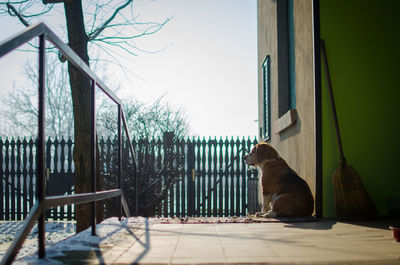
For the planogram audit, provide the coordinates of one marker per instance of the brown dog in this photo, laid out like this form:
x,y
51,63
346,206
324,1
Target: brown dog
x,y
285,193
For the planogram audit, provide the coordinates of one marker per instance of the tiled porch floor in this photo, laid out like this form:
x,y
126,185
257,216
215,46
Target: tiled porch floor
x,y
322,242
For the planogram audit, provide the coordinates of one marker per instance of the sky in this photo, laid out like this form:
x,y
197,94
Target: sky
x,y
203,61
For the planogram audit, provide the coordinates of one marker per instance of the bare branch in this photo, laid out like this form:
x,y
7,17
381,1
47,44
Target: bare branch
x,y
44,11
52,1
148,31
20,104
22,9
114,60
147,120
94,17
16,14
118,44
14,2
96,33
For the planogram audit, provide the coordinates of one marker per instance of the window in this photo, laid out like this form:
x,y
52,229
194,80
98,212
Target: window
x,y
286,57
266,130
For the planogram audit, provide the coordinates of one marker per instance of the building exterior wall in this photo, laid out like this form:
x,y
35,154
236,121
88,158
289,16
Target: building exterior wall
x,y
296,143
362,40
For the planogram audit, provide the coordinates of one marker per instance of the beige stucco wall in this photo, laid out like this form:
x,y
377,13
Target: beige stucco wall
x,y
295,144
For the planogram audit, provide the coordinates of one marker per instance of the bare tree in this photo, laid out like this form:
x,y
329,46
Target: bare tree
x,y
21,108
107,24
150,121
161,164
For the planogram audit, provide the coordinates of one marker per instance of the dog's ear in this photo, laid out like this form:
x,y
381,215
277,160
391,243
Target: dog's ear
x,y
265,151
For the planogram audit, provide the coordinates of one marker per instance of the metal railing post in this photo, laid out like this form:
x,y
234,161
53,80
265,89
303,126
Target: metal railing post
x,y
128,138
40,177
119,159
93,154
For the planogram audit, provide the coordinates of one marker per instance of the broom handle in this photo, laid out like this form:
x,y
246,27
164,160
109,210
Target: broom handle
x,y
328,77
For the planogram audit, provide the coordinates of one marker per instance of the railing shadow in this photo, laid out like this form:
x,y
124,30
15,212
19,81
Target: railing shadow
x,y
145,244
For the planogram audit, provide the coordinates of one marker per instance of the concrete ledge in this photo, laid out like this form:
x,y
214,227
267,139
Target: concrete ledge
x,y
285,121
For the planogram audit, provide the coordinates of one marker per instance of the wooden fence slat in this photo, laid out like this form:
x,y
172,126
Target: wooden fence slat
x,y
31,173
12,186
220,178
209,180
48,156
70,208
62,170
182,186
173,191
171,201
1,181
7,181
189,176
178,188
18,184
62,155
181,161
197,162
226,174
238,177
213,160
56,210
243,176
25,209
203,173
231,182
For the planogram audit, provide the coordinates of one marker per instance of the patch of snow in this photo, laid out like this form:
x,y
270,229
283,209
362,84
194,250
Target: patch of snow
x,y
56,231
62,238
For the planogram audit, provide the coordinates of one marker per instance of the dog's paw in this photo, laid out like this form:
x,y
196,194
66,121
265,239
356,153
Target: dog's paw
x,y
262,214
268,214
271,214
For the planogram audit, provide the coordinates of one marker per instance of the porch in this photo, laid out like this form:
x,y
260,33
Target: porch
x,y
152,241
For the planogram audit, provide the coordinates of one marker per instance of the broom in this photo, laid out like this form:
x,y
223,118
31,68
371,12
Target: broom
x,y
352,201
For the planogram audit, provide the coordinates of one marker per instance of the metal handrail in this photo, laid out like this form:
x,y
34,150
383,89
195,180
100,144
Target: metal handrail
x,y
37,212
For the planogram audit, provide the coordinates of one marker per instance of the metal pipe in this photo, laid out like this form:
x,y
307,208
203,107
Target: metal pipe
x,y
54,201
93,155
134,163
22,234
40,177
119,160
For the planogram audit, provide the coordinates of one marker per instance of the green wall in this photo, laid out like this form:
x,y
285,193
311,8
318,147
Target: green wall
x,y
362,39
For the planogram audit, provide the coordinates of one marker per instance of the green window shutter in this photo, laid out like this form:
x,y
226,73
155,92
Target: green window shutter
x,y
266,133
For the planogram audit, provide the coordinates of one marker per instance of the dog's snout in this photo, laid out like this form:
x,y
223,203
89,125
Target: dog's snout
x,y
245,157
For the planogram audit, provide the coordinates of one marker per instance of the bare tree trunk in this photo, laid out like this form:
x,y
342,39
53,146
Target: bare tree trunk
x,y
81,97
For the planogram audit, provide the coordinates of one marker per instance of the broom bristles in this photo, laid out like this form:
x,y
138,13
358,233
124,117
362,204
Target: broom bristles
x,y
352,201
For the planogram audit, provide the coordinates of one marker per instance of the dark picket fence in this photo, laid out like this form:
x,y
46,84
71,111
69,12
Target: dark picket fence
x,y
214,180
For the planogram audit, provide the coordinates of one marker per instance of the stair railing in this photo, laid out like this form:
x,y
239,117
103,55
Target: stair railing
x,y
43,203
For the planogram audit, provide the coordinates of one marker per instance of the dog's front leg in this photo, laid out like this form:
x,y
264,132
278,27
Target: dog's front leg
x,y
266,202
266,206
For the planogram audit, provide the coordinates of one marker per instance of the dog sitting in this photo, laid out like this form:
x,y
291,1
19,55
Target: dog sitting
x,y
285,194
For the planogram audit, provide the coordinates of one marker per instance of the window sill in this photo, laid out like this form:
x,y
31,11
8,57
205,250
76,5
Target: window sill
x,y
286,121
